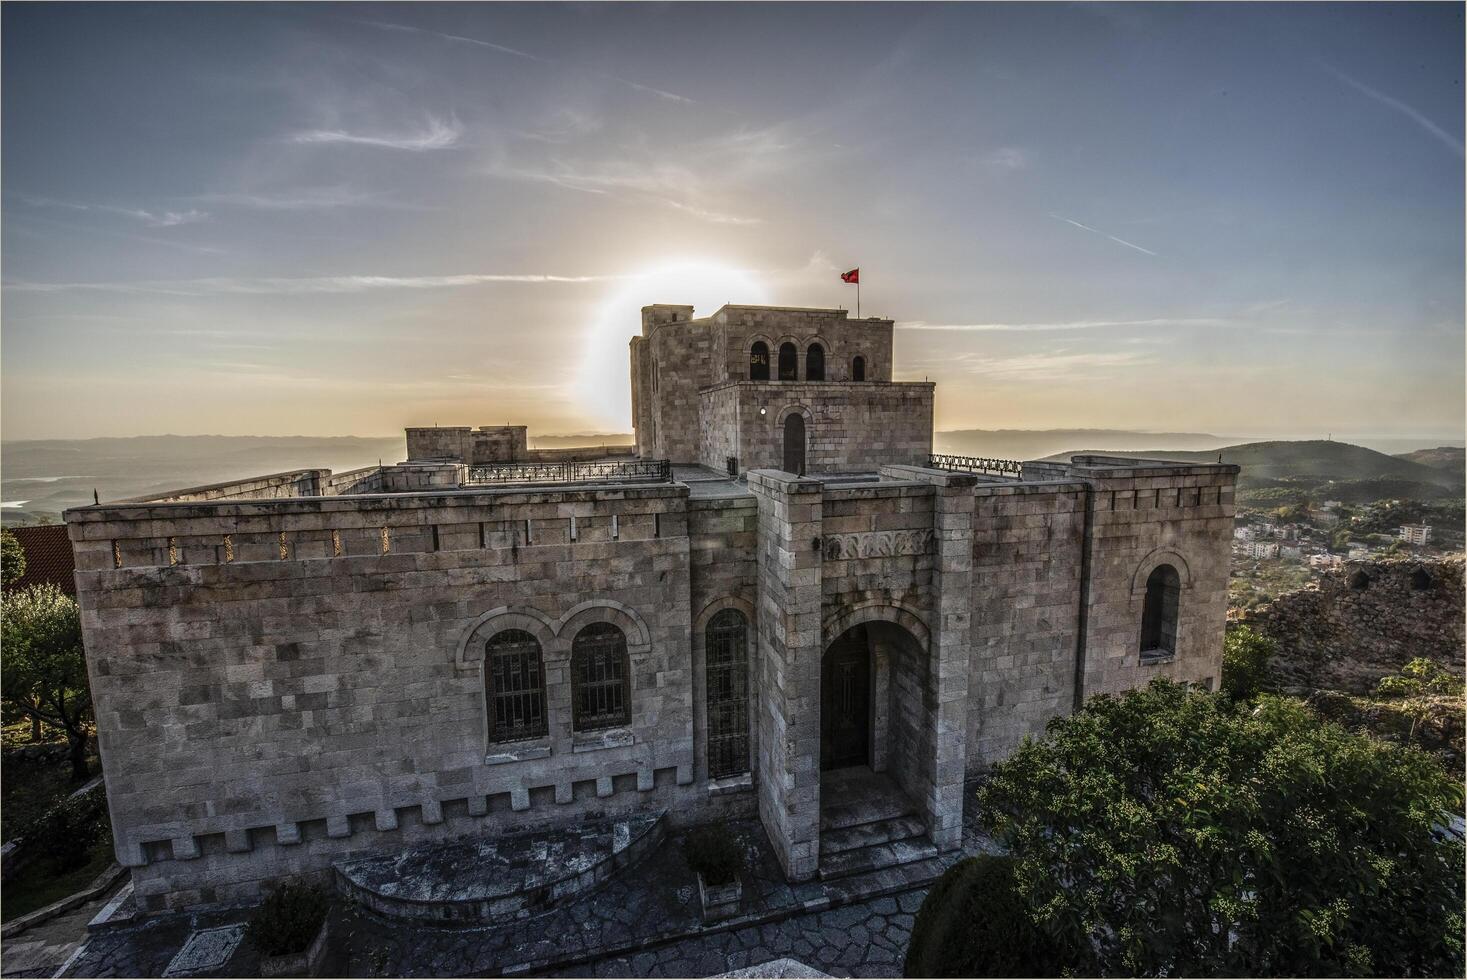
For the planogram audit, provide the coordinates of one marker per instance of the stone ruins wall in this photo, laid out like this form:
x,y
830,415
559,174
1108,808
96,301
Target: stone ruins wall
x,y
847,427
280,684
1365,620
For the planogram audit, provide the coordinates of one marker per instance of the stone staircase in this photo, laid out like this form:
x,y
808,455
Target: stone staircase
x,y
873,829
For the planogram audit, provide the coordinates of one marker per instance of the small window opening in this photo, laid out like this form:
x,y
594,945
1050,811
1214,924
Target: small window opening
x,y
615,527
858,368
789,362
573,528
815,363
1359,581
1420,580
759,361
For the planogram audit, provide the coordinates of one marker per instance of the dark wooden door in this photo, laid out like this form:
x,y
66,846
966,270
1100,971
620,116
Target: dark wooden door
x,y
845,703
794,444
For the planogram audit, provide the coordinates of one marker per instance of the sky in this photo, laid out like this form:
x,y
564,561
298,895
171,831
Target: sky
x,y
336,219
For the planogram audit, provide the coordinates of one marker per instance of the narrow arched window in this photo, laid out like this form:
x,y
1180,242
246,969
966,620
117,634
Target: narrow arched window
x,y
759,361
1159,615
726,642
600,678
858,368
514,686
815,363
789,362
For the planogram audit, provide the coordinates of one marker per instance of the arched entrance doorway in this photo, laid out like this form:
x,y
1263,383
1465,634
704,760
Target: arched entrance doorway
x,y
794,444
845,701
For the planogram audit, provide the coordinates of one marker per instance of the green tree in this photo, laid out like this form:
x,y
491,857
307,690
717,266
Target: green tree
x,y
1174,832
12,558
1341,539
1246,653
43,671
1415,684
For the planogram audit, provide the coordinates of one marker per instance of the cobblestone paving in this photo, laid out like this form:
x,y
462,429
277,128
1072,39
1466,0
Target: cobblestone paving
x,y
867,939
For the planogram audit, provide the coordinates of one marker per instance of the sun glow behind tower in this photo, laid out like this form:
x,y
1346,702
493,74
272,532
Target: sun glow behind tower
x,y
603,388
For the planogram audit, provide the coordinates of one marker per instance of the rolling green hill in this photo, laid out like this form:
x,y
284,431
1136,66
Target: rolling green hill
x,y
1452,458
1311,463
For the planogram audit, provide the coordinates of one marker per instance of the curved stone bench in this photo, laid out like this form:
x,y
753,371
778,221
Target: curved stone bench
x,y
484,879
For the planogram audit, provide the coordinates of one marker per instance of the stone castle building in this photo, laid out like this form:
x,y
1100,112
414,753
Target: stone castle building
x,y
778,603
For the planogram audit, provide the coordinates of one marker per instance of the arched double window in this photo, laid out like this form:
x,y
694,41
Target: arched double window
x,y
601,695
858,368
815,363
726,645
1159,614
759,361
514,686
789,362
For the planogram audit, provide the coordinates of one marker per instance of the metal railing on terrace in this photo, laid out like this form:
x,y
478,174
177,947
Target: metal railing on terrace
x,y
977,464
594,471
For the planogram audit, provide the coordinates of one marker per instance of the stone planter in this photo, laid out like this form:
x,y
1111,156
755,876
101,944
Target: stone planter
x,y
303,964
720,901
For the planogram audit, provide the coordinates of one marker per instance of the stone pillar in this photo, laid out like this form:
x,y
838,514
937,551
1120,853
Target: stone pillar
x,y
947,679
946,698
789,567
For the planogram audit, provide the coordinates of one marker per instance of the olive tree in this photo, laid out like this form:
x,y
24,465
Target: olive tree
x,y
43,671
1176,832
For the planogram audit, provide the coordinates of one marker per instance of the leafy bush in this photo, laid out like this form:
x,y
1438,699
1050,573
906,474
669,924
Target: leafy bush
x,y
1179,833
63,837
973,923
289,919
1246,653
12,558
714,853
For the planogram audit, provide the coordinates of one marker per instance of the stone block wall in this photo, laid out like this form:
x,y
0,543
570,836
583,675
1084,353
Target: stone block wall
x,y
839,335
1027,553
465,444
280,684
1366,620
847,427
1143,516
295,483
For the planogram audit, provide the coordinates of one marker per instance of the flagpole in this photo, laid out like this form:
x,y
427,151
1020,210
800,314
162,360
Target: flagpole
x,y
858,296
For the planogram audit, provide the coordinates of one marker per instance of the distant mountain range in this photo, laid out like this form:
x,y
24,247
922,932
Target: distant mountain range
x,y
1442,457
1038,443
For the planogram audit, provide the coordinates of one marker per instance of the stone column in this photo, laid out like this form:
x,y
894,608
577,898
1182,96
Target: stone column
x,y
789,557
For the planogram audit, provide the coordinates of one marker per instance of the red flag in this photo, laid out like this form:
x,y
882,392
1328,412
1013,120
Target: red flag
x,y
854,276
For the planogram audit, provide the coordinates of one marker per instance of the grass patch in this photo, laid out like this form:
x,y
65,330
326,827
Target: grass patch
x,y
28,791
37,886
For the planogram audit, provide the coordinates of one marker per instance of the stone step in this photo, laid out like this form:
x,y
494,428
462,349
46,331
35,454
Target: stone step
x,y
877,856
841,816
870,834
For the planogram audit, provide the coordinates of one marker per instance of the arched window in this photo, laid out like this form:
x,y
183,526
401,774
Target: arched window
x,y
794,444
514,686
858,368
759,361
815,363
726,642
600,678
1159,615
789,362
1359,581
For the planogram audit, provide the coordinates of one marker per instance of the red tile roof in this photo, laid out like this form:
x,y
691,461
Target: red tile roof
x,y
48,557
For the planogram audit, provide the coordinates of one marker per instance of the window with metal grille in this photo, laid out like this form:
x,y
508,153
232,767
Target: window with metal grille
x,y
727,648
600,678
515,686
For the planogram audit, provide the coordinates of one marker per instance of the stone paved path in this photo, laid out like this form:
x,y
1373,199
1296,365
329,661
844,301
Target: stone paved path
x,y
40,951
867,939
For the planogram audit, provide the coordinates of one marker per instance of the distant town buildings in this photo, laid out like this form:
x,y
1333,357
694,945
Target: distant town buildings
x,y
1263,549
1326,561
1415,534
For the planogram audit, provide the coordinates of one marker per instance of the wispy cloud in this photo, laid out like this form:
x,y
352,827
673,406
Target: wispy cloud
x,y
1061,365
457,39
303,199
664,184
154,219
439,134
1067,325
301,286
517,53
1410,112
1097,231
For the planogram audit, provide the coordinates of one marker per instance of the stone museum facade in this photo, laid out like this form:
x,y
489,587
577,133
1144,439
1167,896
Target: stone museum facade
x,y
779,603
